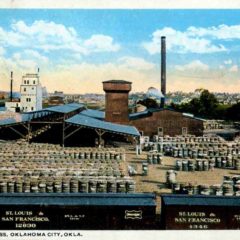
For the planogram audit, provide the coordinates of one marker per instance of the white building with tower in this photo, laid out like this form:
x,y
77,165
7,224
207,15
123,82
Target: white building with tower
x,y
31,93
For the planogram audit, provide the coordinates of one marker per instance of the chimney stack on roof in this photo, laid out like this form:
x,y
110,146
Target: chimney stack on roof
x,y
11,87
163,69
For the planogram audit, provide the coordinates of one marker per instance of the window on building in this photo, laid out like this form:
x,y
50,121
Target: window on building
x,y
33,81
24,81
24,89
32,108
29,99
27,81
160,131
184,131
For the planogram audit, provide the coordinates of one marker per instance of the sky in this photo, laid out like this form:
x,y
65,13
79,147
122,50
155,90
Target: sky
x,y
78,49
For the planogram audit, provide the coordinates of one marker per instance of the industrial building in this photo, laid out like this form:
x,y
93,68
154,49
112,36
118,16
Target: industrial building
x,y
157,121
31,94
166,122
75,124
47,179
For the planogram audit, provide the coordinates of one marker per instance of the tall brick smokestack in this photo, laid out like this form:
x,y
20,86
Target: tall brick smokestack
x,y
11,87
163,69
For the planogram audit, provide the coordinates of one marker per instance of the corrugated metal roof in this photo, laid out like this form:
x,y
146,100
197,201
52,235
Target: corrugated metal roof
x,y
8,121
200,119
75,104
98,199
93,113
24,117
67,108
98,124
137,115
148,112
192,116
19,119
200,200
188,115
37,114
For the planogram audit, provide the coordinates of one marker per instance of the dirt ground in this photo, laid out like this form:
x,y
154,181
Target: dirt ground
x,y
154,182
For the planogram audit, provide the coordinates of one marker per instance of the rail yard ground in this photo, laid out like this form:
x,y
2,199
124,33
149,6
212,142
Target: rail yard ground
x,y
156,178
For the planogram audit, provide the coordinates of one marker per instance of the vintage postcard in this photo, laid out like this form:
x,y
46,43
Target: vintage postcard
x,y
119,117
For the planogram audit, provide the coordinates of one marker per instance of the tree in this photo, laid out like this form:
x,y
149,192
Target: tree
x,y
204,106
233,112
208,104
149,103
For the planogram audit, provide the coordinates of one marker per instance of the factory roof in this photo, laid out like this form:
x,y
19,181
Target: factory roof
x,y
28,116
23,118
67,108
117,81
98,199
137,115
93,113
147,112
36,114
94,123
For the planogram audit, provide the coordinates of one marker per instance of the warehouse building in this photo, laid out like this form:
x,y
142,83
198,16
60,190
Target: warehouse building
x,y
74,124
157,121
71,124
166,122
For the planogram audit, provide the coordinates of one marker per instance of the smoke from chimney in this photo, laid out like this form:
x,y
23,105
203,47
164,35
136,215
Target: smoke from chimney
x,y
11,87
163,69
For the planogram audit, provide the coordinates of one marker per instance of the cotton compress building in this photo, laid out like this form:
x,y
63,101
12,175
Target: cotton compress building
x,y
160,121
166,122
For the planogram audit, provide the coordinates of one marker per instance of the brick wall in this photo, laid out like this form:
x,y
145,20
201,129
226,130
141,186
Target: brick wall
x,y
172,123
